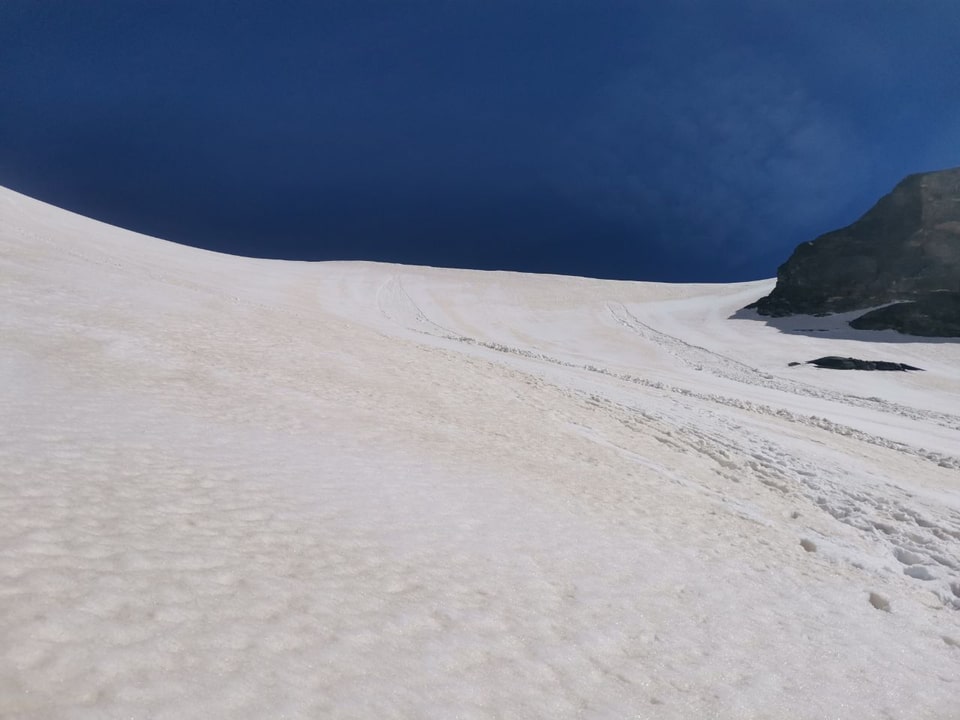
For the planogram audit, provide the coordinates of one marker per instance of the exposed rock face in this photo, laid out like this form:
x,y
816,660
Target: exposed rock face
x,y
905,248
931,315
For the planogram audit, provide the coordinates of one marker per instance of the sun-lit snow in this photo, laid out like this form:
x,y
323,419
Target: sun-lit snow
x,y
241,488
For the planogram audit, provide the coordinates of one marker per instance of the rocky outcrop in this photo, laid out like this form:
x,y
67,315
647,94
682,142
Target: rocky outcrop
x,y
906,248
834,362
931,315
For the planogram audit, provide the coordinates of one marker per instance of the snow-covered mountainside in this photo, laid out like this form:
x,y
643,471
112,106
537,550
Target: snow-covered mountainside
x,y
235,488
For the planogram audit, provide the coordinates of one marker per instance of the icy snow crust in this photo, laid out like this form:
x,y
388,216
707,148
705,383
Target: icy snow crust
x,y
241,488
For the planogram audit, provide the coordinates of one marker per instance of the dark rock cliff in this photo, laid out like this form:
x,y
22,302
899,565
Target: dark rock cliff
x,y
905,248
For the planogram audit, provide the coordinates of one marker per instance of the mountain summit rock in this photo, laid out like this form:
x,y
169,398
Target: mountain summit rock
x,y
904,250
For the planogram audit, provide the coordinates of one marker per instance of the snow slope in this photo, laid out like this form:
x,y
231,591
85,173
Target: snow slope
x,y
243,488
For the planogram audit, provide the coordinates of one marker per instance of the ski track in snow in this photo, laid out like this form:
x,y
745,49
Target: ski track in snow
x,y
243,488
928,548
721,366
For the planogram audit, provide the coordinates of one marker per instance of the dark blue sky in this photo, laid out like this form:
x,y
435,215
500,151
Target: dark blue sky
x,y
689,140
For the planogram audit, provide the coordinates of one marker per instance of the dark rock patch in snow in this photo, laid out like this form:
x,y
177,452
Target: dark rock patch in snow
x,y
935,314
834,362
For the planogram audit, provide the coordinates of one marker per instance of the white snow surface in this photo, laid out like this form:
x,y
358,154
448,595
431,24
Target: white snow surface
x,y
238,488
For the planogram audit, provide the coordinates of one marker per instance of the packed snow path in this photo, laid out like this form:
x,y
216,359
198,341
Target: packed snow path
x,y
247,488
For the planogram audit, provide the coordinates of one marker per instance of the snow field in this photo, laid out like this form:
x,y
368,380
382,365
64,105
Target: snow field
x,y
241,488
